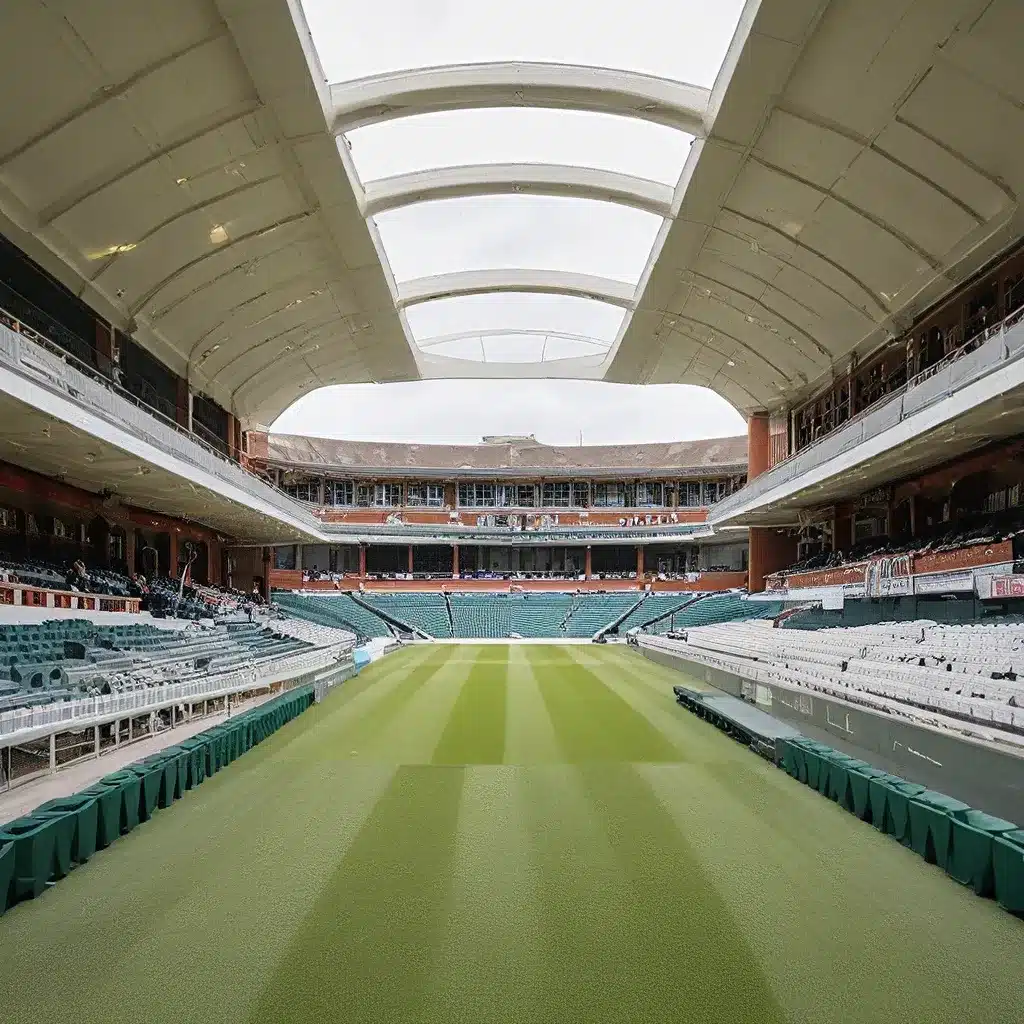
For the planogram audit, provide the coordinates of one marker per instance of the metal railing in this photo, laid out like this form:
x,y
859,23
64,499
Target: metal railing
x,y
79,714
35,357
1000,344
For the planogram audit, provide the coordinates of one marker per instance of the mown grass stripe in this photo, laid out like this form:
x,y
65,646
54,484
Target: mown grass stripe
x,y
365,951
592,722
529,735
475,733
351,725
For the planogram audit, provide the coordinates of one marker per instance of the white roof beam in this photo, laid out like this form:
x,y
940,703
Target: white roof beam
x,y
367,101
487,282
558,180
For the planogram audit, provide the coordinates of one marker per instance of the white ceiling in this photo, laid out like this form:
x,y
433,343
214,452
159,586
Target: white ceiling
x,y
860,158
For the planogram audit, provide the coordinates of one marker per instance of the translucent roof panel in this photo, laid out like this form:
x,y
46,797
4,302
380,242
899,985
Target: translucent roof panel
x,y
685,40
580,236
521,347
525,135
515,312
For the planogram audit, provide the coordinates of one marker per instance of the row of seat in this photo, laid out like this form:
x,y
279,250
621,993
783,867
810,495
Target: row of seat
x,y
975,848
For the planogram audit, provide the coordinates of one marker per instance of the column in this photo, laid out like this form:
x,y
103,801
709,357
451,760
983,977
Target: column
x,y
410,559
758,446
266,574
767,555
362,559
588,569
842,527
172,568
455,561
298,557
770,551
181,403
639,561
129,549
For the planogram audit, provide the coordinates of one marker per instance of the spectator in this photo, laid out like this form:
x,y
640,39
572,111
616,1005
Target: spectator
x,y
77,578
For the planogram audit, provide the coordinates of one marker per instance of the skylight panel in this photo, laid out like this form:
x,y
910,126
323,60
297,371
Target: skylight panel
x,y
519,135
516,311
580,236
685,40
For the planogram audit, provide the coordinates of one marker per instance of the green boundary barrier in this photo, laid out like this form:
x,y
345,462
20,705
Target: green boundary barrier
x,y
972,847
42,847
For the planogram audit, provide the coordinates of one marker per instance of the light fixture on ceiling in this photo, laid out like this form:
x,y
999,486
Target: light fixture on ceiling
x,y
90,457
218,234
731,362
181,181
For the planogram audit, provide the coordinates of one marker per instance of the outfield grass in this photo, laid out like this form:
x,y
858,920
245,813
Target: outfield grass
x,y
508,834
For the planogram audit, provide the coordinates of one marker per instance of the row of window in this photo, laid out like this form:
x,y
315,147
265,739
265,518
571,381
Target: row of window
x,y
643,494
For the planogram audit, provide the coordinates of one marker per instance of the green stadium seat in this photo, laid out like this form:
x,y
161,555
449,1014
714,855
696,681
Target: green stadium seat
x,y
130,786
6,876
971,849
1008,870
34,840
109,801
930,815
83,810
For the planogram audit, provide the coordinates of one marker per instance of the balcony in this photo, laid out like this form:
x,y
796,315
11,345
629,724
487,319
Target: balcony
x,y
993,368
35,360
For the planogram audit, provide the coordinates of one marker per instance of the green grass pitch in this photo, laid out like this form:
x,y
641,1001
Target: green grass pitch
x,y
508,834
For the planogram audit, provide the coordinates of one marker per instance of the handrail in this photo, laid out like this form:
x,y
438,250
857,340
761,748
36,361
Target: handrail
x,y
993,351
75,714
32,355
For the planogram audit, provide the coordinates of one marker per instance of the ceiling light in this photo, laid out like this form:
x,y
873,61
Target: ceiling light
x,y
218,234
731,362
180,181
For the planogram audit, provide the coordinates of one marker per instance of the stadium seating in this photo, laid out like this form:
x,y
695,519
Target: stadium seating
x,y
68,659
338,610
592,612
428,612
487,616
966,672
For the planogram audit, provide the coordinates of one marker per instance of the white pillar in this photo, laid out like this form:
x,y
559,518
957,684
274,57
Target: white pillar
x,y
53,752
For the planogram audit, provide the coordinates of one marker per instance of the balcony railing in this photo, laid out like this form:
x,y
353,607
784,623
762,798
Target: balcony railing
x,y
34,356
1001,344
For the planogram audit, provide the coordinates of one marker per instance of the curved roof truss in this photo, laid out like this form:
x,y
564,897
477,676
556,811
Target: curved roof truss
x,y
559,180
367,101
488,282
517,332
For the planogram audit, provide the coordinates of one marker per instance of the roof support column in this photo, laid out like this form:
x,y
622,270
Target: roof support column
x,y
588,567
455,561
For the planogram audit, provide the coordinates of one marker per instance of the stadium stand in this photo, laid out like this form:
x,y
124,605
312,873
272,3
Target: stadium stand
x,y
64,659
967,672
427,611
338,610
590,613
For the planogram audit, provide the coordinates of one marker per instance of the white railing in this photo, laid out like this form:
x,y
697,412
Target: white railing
x,y
16,726
1002,344
33,356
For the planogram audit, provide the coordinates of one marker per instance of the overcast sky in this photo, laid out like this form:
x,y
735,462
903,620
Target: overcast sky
x,y
680,39
556,411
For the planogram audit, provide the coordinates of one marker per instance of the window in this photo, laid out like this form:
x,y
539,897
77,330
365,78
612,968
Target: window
x,y
429,495
339,492
379,495
609,495
580,495
689,494
476,495
305,490
711,491
515,496
556,495
649,495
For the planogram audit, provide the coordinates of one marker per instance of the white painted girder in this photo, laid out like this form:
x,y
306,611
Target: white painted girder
x,y
485,282
396,94
513,179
